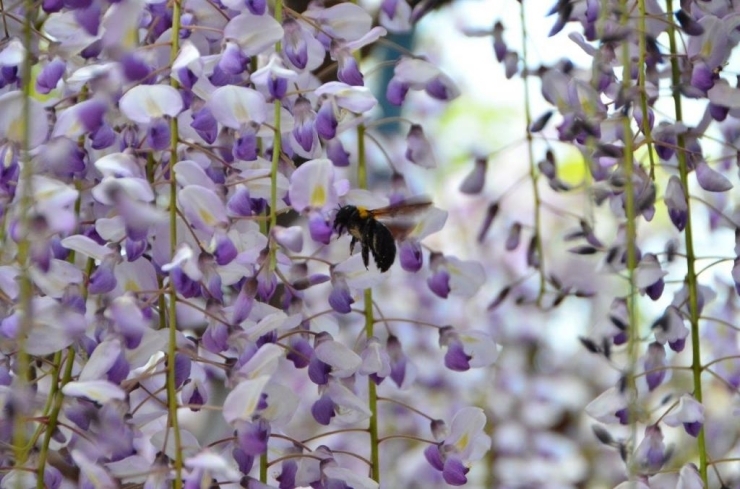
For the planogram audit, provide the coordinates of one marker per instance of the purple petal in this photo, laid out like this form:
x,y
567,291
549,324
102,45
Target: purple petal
x,y
320,229
434,457
240,204
348,71
654,365
336,153
50,76
439,283
318,371
294,45
134,68
694,428
656,290
158,135
454,472
456,359
278,87
89,18
225,251
51,6
326,121
410,256
233,61
476,179
711,180
245,146
120,369
702,77
182,368
675,200
323,410
288,475
102,279
419,149
300,352
103,138
253,437
256,7
396,92
216,337
341,300
244,461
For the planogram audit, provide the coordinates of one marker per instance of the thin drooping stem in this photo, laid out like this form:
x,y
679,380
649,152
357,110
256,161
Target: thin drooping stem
x,y
631,245
642,83
691,279
25,284
172,311
369,324
533,173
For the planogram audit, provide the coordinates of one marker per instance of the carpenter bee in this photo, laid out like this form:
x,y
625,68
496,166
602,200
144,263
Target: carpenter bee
x,y
364,225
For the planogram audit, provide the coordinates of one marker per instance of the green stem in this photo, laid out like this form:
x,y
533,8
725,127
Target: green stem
x,y
20,439
642,83
372,397
631,244
691,279
53,420
276,153
533,174
56,398
172,309
276,150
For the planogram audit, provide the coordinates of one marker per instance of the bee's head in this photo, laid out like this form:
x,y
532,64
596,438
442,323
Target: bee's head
x,y
343,216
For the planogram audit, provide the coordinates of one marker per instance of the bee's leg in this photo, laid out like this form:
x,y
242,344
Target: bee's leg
x,y
365,253
352,245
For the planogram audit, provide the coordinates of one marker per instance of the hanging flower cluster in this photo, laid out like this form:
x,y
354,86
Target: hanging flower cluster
x,y
649,249
177,307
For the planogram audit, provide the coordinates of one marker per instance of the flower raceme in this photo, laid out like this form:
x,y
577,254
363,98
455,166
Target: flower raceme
x,y
161,166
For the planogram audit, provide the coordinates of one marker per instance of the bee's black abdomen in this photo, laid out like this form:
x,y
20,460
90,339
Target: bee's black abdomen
x,y
382,245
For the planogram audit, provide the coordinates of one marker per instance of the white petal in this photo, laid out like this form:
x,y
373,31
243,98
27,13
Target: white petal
x,y
118,165
344,362
111,229
350,409
282,403
13,53
350,477
87,246
466,277
100,391
235,106
264,363
102,359
202,206
214,463
243,400
254,33
725,95
94,472
56,281
11,117
266,325
603,407
188,172
344,21
467,423
143,103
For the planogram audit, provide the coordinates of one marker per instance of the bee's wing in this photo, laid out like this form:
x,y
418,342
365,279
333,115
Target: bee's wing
x,y
401,218
408,208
